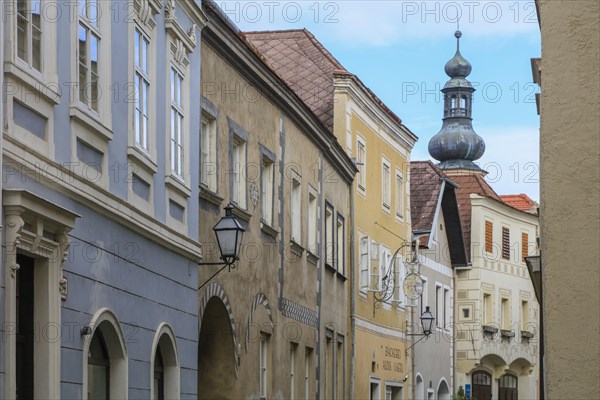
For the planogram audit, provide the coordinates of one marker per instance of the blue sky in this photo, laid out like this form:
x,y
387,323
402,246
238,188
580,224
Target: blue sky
x,y
399,48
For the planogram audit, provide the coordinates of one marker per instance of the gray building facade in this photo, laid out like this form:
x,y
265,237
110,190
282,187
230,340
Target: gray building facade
x,y
100,199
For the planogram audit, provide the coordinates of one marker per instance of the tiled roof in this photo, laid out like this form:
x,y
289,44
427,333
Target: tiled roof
x,y
308,68
520,202
470,183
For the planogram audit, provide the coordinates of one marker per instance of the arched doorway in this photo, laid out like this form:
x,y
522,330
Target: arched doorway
x,y
482,385
419,388
443,392
508,387
164,365
216,353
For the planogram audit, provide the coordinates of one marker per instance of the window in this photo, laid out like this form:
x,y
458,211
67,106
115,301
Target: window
x,y
159,376
341,246
399,194
88,53
361,160
307,363
339,366
25,323
505,243
439,308
393,393
424,298
447,308
98,368
400,273
489,237
29,32
384,265
176,123
330,375
505,313
238,193
524,315
329,239
312,222
375,251
142,88
487,309
385,185
263,365
524,246
293,348
208,153
296,210
267,187
364,263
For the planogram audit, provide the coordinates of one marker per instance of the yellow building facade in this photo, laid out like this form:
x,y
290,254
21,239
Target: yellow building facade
x,y
381,146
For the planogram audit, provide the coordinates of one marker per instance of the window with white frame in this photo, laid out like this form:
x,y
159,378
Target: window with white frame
x,y
487,309
329,237
374,250
263,366
341,246
238,182
296,210
439,306
364,260
447,308
312,222
177,115
29,32
400,273
393,392
307,363
505,313
361,160
424,295
141,48
267,187
384,265
385,184
208,153
89,37
399,194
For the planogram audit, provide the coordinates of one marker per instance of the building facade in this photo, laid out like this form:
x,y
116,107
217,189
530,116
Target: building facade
x,y
275,326
495,312
569,186
437,228
380,145
100,199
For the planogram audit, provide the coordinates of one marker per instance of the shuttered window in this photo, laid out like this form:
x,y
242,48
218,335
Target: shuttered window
x,y
505,243
524,246
489,227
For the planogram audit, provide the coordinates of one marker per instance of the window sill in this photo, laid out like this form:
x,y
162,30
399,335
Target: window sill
x,y
330,268
312,258
296,248
210,196
268,229
33,78
341,277
175,183
142,159
241,213
93,122
386,208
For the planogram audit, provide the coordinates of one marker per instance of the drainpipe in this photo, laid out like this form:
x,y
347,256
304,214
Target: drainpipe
x,y
352,294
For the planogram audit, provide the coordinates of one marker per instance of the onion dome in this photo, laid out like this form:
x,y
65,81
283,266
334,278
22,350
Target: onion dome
x,y
458,66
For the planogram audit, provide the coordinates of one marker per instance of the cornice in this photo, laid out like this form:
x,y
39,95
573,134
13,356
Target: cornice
x,y
229,46
504,209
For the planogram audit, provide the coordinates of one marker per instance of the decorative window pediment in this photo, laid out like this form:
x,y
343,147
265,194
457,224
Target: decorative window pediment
x,y
182,42
146,10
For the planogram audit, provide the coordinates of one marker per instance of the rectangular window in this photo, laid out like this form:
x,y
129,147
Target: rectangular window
x,y
385,185
439,306
142,88
424,296
487,309
293,348
399,194
341,246
312,223
296,210
393,393
489,237
524,315
329,238
524,246
263,371
400,273
29,32
447,308
376,254
89,38
364,263
361,160
339,366
307,371
176,123
330,376
238,185
208,153
505,314
505,243
267,187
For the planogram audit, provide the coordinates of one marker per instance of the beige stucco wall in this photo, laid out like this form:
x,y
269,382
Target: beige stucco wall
x,y
570,188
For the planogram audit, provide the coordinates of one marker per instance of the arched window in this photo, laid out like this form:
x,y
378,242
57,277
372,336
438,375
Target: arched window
x,y
482,385
159,377
453,102
98,369
508,387
165,365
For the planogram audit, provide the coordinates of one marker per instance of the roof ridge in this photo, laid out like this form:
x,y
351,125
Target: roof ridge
x,y
274,31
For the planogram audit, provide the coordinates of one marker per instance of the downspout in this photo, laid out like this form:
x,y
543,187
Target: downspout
x,y
352,295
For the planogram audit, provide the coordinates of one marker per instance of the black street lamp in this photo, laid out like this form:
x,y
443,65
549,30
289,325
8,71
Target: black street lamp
x,y
229,233
426,323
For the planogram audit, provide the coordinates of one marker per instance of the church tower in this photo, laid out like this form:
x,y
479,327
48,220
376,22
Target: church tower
x,y
457,145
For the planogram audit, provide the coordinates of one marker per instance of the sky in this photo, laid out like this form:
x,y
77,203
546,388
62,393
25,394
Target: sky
x,y
399,49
